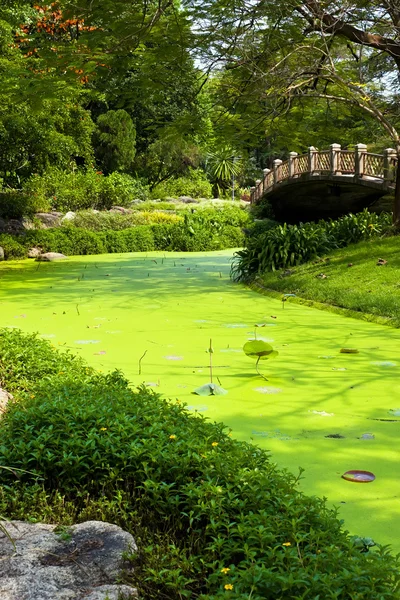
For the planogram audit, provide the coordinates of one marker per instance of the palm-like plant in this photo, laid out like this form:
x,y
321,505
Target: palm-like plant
x,y
224,165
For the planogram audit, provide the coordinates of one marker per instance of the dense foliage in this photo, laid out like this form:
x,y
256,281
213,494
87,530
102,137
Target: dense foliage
x,y
230,520
285,245
178,237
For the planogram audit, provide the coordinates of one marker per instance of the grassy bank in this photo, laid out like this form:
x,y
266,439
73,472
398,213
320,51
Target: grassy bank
x,y
212,516
350,278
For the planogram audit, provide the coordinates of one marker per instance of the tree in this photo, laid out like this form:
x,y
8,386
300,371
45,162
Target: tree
x,y
114,141
278,54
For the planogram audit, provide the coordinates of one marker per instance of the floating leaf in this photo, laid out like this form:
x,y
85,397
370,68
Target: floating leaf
x,y
395,412
349,351
259,349
210,389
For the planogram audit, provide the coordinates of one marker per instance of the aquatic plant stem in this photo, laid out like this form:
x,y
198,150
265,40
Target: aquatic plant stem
x,y
210,351
260,374
140,361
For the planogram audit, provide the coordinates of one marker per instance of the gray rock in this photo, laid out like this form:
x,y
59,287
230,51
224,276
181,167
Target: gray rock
x,y
50,256
34,252
4,398
3,224
27,223
1,253
83,564
69,216
112,592
48,220
14,225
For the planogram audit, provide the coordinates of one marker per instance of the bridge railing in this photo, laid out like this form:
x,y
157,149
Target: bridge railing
x,y
356,165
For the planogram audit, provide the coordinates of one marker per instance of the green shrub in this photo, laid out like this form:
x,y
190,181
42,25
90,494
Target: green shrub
x,y
82,190
120,189
106,221
67,240
285,245
194,185
214,218
15,204
217,512
12,248
138,239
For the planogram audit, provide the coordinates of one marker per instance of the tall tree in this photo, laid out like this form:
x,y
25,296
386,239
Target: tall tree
x,y
284,52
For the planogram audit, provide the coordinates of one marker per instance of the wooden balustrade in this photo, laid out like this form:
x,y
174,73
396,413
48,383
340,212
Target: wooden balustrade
x,y
355,166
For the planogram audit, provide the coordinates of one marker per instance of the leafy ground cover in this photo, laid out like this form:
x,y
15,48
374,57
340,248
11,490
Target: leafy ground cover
x,y
353,278
214,515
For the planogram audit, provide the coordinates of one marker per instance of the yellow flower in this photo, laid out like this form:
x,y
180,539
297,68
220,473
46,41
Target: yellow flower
x,y
214,444
286,544
32,395
225,570
172,437
228,586
103,428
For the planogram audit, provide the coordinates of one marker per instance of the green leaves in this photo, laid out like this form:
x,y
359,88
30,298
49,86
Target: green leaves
x,y
259,349
285,245
210,389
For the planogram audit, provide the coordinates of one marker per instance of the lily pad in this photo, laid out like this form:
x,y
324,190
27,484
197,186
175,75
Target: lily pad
x,y
259,349
210,389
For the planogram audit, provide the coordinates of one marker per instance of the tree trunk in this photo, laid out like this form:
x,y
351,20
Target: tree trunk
x,y
396,202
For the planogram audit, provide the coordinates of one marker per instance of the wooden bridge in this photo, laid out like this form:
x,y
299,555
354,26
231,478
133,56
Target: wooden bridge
x,y
328,183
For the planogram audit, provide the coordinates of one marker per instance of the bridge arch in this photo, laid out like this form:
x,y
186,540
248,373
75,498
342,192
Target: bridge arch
x,y
327,183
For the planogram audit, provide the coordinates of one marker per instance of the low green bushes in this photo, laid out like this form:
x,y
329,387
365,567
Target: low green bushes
x,y
15,204
106,221
64,191
285,245
211,515
71,240
194,230
194,185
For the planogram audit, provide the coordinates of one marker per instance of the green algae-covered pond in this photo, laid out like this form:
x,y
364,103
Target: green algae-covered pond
x,y
322,410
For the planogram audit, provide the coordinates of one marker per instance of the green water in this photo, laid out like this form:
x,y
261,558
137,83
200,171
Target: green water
x,y
112,309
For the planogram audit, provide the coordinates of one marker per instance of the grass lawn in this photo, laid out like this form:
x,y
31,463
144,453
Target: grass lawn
x,y
363,287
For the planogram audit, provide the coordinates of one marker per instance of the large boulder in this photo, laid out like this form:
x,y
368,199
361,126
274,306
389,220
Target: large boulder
x,y
34,252
81,562
51,257
1,253
69,216
48,220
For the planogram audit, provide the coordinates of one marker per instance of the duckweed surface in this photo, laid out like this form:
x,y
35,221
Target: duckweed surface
x,y
155,314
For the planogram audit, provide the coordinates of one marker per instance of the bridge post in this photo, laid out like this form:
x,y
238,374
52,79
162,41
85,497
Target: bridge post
x,y
360,152
277,170
265,173
312,163
291,163
335,158
258,189
252,194
389,172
